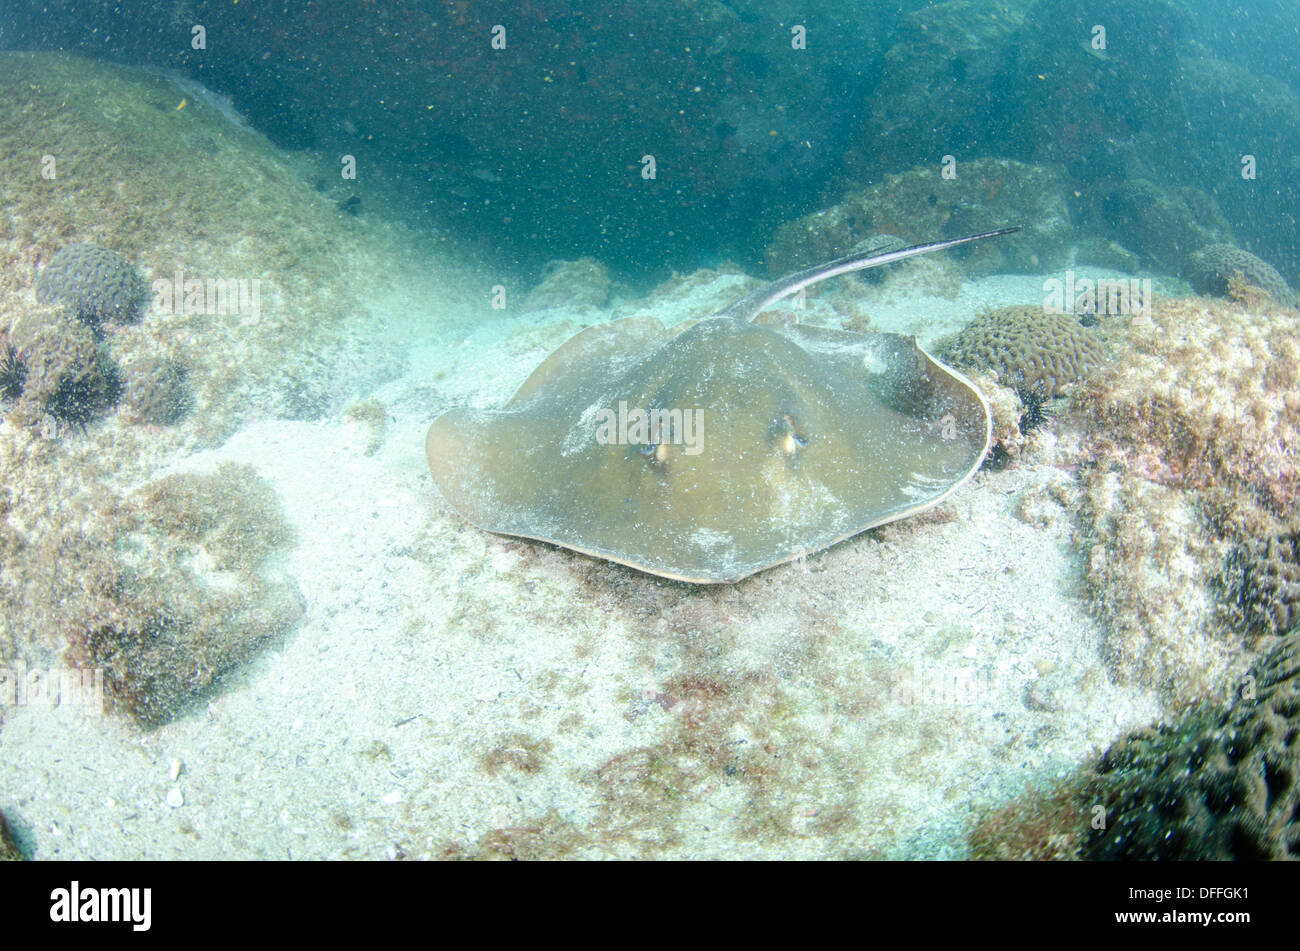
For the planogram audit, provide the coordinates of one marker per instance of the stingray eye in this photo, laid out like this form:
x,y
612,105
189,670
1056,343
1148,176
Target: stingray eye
x,y
786,436
656,453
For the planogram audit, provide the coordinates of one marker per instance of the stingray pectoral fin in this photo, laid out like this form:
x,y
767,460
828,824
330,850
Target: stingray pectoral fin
x,y
589,351
468,450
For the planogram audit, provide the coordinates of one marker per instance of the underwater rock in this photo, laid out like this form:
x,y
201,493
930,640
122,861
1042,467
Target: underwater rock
x,y
1164,223
176,211
570,284
1097,103
946,64
195,595
1226,271
1035,353
1102,252
58,368
921,203
96,284
1228,104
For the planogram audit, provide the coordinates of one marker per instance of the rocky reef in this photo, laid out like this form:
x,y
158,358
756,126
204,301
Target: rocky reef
x,y
1193,438
922,204
114,364
1216,783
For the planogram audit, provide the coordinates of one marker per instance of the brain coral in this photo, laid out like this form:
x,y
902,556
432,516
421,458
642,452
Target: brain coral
x,y
1263,581
1220,783
97,284
1222,270
1035,353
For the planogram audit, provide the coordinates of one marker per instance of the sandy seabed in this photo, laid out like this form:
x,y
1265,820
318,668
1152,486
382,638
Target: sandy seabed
x,y
453,693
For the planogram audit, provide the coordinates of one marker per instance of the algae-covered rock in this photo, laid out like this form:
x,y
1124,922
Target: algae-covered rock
x,y
181,195
197,592
947,64
1193,436
1226,271
922,205
1165,224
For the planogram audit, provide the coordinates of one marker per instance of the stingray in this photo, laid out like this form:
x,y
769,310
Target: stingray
x,y
721,447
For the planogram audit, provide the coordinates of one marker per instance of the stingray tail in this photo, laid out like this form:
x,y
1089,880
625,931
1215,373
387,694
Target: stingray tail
x,y
748,307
